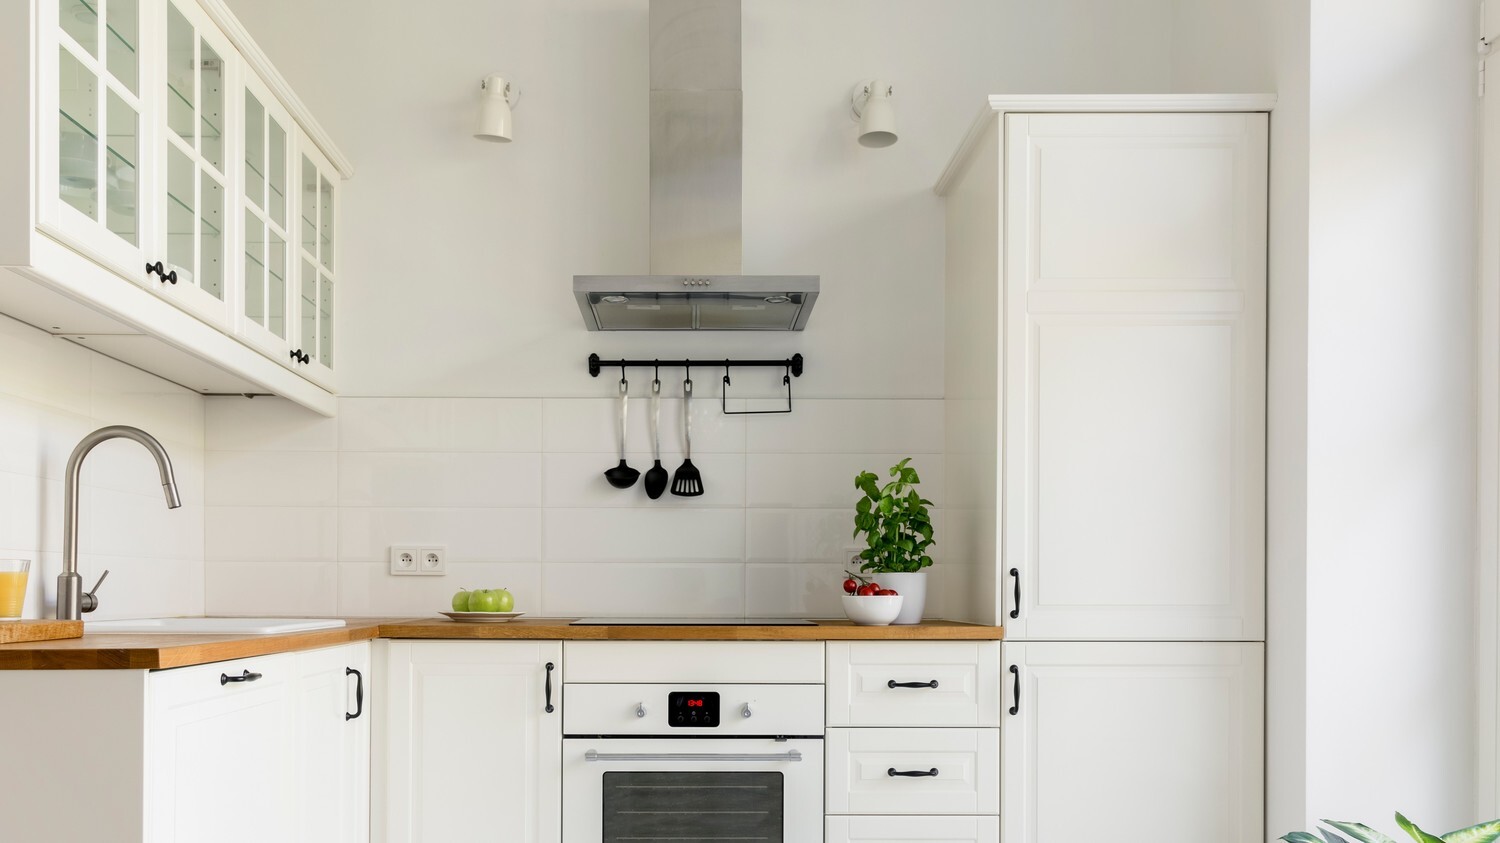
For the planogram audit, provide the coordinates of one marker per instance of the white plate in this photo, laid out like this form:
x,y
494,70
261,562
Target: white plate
x,y
482,617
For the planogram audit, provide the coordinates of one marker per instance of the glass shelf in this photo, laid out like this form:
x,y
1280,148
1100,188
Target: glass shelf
x,y
257,261
179,209
214,131
113,153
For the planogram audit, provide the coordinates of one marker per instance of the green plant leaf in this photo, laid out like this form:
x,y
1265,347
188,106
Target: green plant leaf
x,y
1299,837
1330,837
1416,833
863,506
1483,833
1362,833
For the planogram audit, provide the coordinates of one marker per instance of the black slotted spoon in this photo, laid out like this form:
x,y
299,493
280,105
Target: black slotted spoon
x,y
687,482
656,478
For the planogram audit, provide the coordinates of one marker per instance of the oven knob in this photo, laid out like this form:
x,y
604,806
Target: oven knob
x,y
640,709
745,711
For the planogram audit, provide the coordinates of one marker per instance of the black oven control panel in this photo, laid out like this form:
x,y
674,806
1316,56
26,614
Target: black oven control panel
x,y
693,709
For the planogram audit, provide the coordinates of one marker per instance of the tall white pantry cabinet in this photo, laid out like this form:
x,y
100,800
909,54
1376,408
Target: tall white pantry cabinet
x,y
1106,328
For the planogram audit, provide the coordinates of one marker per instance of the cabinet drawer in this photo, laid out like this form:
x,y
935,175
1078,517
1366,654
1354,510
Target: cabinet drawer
x,y
868,683
925,829
183,685
860,762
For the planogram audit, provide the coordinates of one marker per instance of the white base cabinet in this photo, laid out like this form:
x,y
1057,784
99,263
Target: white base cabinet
x,y
903,829
1133,742
190,754
467,746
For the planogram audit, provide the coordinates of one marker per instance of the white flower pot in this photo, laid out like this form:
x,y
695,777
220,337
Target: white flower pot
x,y
913,588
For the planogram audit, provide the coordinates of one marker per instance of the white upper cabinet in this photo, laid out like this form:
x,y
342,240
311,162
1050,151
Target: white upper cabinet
x,y
97,130
1112,265
155,156
189,262
1135,327
267,213
315,267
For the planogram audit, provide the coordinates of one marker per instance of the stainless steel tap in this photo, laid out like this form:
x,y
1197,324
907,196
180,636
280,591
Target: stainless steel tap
x,y
72,601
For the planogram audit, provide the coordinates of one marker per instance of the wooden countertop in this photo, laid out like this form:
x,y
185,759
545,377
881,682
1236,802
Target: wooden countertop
x,y
142,651
145,651
559,628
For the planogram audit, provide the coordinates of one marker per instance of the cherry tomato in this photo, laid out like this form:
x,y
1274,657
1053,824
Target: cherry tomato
x,y
866,590
850,586
874,585
886,592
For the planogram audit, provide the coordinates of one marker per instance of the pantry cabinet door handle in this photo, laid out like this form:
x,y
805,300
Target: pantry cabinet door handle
x,y
912,774
359,693
894,684
550,667
1015,608
1015,707
247,676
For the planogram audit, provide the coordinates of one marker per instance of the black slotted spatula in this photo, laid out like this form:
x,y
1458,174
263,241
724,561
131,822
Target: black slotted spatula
x,y
687,482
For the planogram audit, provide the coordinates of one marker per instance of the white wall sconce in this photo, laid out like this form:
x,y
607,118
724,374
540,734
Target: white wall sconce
x,y
871,106
497,97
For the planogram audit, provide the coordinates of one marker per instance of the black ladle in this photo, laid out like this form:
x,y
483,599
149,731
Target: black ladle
x,y
656,478
622,476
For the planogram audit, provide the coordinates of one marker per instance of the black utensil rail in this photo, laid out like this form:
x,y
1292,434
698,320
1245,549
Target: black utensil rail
x,y
792,366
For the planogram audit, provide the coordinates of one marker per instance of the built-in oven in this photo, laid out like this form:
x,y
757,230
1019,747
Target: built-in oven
x,y
682,762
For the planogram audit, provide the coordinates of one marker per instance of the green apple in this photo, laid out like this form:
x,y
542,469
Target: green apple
x,y
461,601
507,600
484,600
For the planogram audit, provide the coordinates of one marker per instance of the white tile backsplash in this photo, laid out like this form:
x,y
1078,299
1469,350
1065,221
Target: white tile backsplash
x,y
471,534
440,424
272,588
271,534
515,489
368,478
272,478
642,589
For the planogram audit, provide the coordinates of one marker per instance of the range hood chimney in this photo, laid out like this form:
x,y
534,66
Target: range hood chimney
x,y
696,194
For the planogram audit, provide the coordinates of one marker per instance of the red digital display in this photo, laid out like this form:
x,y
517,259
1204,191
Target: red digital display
x,y
691,709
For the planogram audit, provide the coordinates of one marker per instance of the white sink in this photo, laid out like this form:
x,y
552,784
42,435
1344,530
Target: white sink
x,y
214,626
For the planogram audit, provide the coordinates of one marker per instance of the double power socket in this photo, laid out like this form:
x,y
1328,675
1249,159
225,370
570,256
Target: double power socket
x,y
413,561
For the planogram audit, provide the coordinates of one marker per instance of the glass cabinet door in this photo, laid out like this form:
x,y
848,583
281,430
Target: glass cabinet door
x,y
193,114
266,208
90,190
317,205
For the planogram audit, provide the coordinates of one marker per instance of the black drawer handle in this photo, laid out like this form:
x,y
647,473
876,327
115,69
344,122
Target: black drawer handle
x,y
894,684
247,676
359,693
550,667
1016,694
1015,608
911,774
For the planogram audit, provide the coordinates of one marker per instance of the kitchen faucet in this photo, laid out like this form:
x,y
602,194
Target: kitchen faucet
x,y
72,600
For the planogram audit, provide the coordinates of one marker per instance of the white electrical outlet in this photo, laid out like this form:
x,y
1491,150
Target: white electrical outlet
x,y
404,561
433,561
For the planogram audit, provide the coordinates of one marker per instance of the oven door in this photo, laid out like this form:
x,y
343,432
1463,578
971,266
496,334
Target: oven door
x,y
692,789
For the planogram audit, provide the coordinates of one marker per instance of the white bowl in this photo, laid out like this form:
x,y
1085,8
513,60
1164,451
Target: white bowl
x,y
873,610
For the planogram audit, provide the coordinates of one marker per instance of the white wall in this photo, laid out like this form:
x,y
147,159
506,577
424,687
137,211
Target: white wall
x,y
52,393
458,259
1380,563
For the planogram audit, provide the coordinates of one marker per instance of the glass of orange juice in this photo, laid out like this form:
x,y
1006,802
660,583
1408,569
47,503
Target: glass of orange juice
x,y
13,586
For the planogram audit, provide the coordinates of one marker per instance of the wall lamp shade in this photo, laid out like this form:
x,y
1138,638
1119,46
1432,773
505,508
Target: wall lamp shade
x,y
497,97
871,106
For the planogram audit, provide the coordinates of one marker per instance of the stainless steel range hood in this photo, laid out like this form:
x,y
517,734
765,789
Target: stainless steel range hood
x,y
696,192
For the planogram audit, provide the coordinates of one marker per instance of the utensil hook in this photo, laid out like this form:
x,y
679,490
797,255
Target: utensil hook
x,y
786,381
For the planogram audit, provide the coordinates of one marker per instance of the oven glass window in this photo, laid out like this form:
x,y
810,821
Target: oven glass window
x,y
693,806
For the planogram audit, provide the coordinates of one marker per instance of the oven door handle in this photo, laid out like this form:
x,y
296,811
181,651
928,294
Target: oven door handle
x,y
737,757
